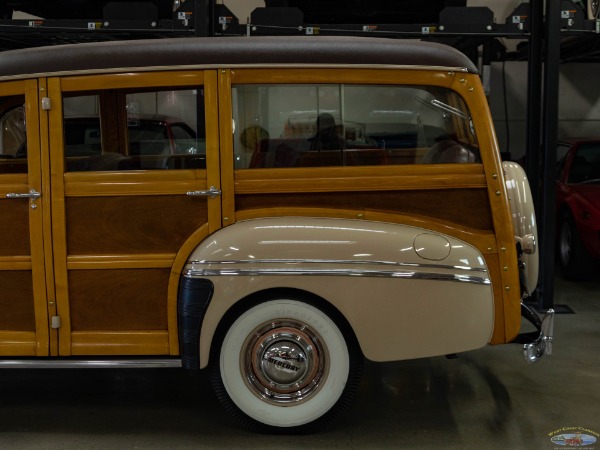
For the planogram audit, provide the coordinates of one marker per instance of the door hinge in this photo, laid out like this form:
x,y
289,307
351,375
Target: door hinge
x,y
55,322
46,103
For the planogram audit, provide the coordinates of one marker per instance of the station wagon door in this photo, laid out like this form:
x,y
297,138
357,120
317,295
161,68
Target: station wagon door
x,y
23,297
133,191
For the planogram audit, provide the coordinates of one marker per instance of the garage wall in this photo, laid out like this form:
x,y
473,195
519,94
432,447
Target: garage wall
x,y
578,103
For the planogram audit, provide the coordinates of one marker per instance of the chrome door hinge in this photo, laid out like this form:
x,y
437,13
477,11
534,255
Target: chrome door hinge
x,y
46,103
55,322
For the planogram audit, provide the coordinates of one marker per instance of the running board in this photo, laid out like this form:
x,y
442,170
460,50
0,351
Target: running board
x,y
72,363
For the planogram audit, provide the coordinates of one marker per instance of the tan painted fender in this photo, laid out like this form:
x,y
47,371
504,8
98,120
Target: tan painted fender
x,y
406,291
523,219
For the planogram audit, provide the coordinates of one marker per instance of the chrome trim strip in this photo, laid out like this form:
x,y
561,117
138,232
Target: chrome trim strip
x,y
52,363
336,272
108,71
341,262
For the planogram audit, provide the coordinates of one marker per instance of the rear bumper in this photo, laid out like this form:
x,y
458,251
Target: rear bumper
x,y
537,343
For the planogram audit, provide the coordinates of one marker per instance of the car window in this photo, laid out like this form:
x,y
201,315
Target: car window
x,y
585,167
124,130
13,135
185,140
350,125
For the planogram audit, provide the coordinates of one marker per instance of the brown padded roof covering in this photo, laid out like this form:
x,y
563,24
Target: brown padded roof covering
x,y
230,51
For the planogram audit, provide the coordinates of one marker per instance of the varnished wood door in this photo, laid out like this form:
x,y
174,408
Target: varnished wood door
x,y
24,300
124,212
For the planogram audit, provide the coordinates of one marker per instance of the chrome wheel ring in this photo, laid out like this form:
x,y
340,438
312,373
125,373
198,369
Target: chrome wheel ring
x,y
284,362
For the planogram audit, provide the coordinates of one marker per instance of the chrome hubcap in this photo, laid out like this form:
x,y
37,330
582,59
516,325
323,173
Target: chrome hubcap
x,y
284,362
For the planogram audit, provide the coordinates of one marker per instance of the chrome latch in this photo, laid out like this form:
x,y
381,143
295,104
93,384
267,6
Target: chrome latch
x,y
33,195
212,193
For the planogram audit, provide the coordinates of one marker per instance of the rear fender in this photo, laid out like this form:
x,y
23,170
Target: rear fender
x,y
395,284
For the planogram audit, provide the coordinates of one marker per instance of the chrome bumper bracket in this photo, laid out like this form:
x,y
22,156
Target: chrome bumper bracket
x,y
533,351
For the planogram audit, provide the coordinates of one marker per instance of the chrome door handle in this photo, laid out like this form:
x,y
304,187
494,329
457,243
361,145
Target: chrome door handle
x,y
33,195
212,193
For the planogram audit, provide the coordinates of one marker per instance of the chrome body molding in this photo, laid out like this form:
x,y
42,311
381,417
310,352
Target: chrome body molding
x,y
337,262
396,284
285,241
203,273
422,255
76,363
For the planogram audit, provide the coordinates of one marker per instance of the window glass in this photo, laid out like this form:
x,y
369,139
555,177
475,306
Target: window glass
x,y
124,130
350,125
13,135
585,167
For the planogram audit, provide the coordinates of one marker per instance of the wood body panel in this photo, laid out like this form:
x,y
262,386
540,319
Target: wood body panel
x,y
113,299
14,226
144,343
18,343
342,75
16,301
24,317
118,233
131,225
457,205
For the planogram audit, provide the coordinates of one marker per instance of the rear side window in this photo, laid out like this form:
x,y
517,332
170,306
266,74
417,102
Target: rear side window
x,y
350,125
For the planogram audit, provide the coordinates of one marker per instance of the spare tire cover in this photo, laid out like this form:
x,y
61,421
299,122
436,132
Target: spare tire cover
x,y
523,217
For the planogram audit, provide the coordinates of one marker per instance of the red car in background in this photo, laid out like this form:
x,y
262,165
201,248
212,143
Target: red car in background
x,y
578,206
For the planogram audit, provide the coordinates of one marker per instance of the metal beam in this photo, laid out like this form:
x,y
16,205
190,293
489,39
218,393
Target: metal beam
x,y
549,138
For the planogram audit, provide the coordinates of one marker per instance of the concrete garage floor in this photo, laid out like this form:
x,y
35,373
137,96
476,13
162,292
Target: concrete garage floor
x,y
486,399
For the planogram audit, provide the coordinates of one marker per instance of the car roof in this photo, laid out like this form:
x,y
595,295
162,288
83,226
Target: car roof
x,y
230,52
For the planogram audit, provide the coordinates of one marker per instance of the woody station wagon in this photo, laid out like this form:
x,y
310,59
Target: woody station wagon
x,y
335,199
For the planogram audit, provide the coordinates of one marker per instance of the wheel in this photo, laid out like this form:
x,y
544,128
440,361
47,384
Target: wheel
x,y
593,6
575,261
285,366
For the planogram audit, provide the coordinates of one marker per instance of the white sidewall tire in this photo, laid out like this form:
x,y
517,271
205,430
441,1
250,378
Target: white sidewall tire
x,y
292,415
